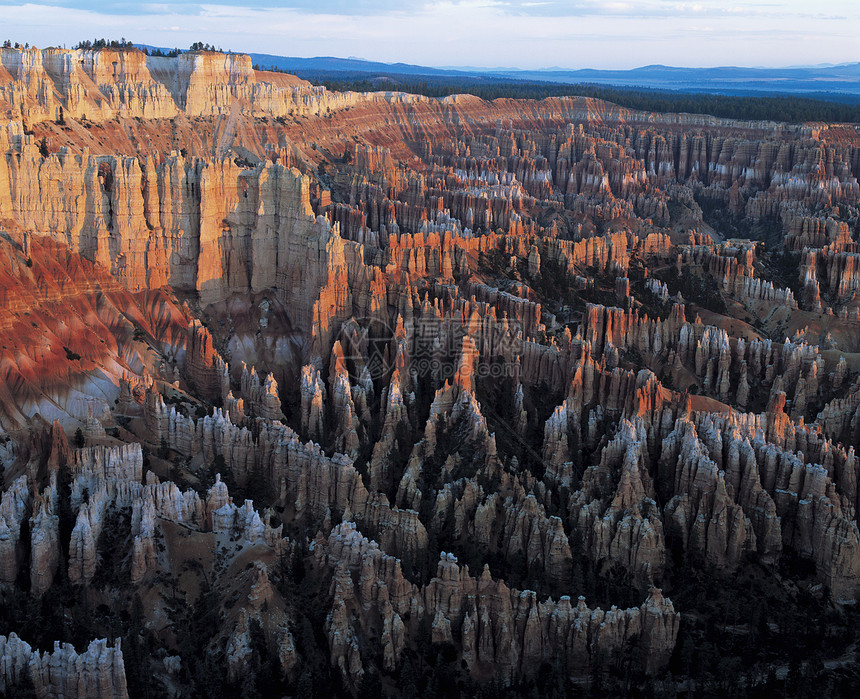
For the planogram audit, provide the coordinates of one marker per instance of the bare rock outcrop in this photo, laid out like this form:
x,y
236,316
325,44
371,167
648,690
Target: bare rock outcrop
x,y
44,540
13,509
500,627
97,672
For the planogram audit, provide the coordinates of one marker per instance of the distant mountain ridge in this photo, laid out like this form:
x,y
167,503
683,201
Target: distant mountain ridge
x,y
824,80
838,79
331,63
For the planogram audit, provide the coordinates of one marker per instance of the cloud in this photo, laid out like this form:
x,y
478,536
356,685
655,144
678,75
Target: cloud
x,y
523,33
546,8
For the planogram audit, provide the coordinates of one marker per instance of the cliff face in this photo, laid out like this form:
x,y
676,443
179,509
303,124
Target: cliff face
x,y
100,85
211,228
167,223
103,84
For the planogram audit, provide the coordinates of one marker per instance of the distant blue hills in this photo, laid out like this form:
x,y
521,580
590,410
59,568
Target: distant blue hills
x,y
832,82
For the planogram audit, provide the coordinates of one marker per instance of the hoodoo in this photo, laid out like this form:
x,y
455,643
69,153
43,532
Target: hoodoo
x,y
309,392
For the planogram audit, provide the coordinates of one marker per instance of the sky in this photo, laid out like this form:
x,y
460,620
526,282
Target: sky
x,y
480,33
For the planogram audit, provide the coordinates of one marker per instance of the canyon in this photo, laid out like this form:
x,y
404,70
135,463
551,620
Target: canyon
x,y
315,392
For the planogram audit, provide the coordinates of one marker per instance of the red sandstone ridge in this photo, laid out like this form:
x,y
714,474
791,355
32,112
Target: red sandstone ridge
x,y
72,333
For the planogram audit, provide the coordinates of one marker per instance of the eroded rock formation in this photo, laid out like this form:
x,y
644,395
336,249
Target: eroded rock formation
x,y
324,389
